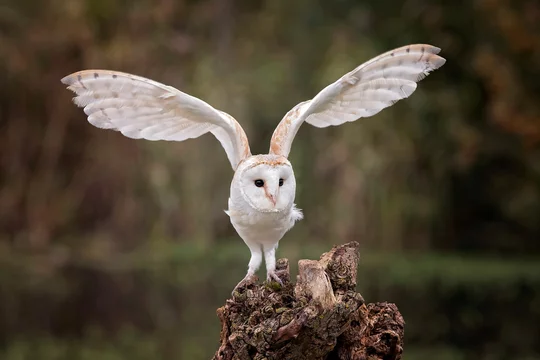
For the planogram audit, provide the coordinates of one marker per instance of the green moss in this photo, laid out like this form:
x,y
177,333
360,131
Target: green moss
x,y
273,285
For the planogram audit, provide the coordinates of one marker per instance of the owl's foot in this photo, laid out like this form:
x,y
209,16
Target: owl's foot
x,y
249,279
272,276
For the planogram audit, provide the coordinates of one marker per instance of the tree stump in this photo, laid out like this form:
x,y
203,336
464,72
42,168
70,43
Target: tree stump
x,y
321,317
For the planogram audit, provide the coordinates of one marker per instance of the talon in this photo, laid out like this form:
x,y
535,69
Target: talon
x,y
273,277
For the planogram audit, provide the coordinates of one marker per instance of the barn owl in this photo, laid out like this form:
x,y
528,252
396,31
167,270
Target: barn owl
x,y
261,203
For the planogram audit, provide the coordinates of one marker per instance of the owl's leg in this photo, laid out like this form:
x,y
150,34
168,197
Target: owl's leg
x,y
254,264
256,259
270,260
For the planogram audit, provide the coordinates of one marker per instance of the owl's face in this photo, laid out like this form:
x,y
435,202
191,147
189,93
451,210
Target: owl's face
x,y
268,185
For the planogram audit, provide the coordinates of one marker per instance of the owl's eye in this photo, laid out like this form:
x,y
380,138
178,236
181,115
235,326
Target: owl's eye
x,y
280,182
259,183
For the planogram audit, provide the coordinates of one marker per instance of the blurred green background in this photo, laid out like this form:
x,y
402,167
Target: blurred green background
x,y
112,248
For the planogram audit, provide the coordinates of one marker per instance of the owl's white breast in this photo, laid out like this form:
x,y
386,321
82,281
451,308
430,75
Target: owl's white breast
x,y
265,228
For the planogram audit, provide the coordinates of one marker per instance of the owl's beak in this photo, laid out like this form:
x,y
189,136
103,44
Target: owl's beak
x,y
271,197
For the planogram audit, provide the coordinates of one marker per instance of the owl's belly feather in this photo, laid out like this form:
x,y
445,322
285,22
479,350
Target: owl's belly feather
x,y
261,227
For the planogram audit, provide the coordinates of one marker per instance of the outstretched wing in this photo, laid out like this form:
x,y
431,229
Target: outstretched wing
x,y
363,92
141,108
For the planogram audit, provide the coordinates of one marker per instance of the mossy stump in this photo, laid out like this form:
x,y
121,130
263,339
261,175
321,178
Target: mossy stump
x,y
319,317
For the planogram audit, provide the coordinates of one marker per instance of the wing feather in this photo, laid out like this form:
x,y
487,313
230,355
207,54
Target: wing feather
x,y
363,92
141,108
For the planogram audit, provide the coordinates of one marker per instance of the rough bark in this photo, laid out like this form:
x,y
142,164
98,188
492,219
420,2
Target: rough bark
x,y
321,317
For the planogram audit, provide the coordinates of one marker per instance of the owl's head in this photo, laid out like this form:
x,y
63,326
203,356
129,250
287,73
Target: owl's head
x,y
266,183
